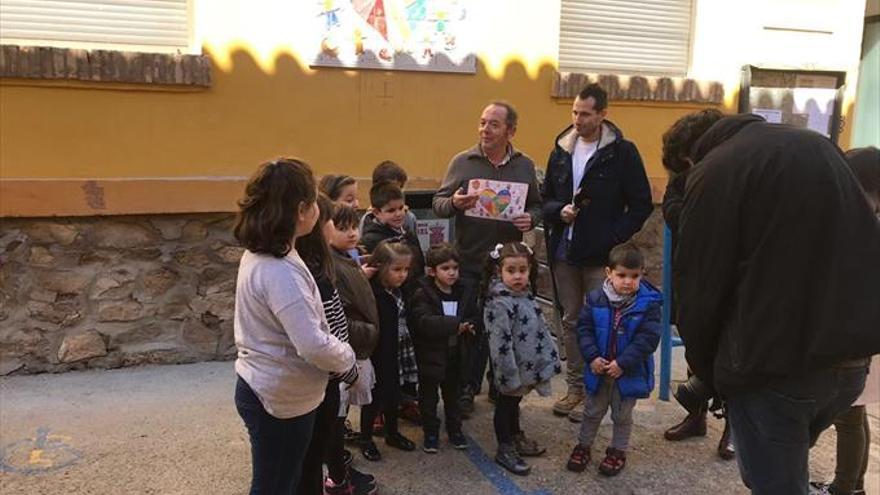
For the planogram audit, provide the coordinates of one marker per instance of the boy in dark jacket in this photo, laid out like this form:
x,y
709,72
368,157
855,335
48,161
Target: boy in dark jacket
x,y
443,317
618,332
387,223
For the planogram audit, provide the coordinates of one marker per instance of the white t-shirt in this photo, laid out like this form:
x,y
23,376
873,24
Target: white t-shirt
x,y
583,151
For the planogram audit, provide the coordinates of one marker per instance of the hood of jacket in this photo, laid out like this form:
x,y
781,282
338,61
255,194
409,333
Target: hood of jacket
x,y
720,132
610,134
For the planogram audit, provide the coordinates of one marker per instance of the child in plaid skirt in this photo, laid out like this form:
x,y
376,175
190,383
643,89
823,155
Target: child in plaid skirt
x,y
394,357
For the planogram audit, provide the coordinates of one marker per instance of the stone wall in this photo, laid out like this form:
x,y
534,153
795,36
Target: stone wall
x,y
105,292
115,291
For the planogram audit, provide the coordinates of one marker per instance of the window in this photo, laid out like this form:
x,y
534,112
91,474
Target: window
x,y
128,25
650,37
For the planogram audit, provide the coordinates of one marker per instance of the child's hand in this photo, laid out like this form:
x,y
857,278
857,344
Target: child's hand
x,y
613,370
465,327
599,365
369,271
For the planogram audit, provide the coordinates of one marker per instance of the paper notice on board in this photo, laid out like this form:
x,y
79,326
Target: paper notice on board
x,y
771,115
432,231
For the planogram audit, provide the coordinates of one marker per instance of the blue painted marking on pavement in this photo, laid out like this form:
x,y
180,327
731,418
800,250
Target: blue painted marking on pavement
x,y
495,473
42,453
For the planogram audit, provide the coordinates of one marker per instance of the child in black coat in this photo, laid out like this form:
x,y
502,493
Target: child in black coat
x,y
444,318
394,358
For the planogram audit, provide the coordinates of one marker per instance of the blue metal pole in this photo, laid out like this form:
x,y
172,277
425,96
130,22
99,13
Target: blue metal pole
x,y
666,337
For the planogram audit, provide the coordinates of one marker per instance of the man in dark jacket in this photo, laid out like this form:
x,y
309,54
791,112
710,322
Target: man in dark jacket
x,y
776,271
596,195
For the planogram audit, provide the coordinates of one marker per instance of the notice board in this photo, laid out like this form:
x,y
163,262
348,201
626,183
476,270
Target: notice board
x,y
807,99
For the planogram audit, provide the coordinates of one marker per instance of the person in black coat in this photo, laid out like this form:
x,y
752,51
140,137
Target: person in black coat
x,y
694,424
776,269
444,318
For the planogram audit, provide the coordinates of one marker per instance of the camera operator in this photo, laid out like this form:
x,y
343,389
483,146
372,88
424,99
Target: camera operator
x,y
696,404
775,270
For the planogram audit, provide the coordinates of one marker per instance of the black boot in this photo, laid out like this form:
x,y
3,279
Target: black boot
x,y
725,445
693,425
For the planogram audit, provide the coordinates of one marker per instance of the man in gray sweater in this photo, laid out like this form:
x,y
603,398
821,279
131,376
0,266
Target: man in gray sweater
x,y
494,158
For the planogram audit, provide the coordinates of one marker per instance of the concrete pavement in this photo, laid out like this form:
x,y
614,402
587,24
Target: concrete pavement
x,y
174,430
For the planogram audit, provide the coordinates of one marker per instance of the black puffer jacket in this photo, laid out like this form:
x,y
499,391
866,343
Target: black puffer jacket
x,y
433,332
778,256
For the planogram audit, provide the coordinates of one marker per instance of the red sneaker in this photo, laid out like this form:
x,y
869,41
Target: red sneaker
x,y
578,459
613,462
379,425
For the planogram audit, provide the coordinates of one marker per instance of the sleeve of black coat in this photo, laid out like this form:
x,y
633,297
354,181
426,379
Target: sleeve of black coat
x,y
644,341
552,203
706,262
672,201
636,194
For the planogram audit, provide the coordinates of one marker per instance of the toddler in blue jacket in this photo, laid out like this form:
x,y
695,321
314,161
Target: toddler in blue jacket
x,y
618,331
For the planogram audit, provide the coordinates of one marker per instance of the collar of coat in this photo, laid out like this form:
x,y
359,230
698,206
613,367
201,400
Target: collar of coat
x,y
477,152
610,134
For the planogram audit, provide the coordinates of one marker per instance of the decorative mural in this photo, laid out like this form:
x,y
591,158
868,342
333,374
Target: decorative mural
x,y
424,35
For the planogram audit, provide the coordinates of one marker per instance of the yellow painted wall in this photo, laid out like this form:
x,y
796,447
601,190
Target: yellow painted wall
x,y
266,102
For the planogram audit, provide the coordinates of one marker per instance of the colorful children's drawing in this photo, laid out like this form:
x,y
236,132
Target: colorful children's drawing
x,y
497,200
431,35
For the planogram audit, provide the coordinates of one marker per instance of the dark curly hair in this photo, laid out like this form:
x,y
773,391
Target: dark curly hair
x,y
439,254
680,138
266,220
314,248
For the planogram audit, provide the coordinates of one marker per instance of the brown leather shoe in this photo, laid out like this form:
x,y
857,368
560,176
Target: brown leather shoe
x,y
693,425
725,445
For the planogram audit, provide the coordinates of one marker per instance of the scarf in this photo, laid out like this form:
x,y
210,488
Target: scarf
x,y
406,352
619,304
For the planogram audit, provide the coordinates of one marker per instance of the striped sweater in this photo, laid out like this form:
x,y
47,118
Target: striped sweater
x,y
335,316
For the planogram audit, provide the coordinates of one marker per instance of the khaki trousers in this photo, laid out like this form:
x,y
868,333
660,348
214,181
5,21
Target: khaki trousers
x,y
572,285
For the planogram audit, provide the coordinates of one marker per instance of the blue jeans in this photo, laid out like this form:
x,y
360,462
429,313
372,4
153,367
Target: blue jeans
x,y
278,446
775,426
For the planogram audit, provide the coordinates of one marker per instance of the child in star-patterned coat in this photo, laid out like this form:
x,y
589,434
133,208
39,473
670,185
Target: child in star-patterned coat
x,y
524,356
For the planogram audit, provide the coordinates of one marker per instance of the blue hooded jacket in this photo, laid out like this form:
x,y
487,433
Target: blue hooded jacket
x,y
637,339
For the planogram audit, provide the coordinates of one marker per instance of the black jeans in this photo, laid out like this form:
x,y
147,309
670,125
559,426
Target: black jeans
x,y
326,445
506,418
278,446
450,388
853,449
775,426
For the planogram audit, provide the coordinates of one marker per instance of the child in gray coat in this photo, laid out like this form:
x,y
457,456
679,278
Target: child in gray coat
x,y
523,354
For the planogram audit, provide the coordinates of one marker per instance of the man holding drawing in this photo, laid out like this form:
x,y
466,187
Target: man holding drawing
x,y
479,210
596,195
